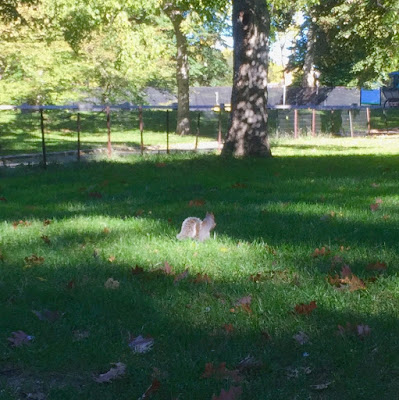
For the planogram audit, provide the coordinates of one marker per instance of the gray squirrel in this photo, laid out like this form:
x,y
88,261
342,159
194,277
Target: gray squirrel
x,y
194,228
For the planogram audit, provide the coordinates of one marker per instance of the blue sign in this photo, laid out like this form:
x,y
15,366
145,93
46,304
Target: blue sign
x,y
370,97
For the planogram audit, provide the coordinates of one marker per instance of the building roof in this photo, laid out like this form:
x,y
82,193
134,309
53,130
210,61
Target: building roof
x,y
207,96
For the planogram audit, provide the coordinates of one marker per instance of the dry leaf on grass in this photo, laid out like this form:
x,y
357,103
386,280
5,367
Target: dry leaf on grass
x,y
221,372
106,230
360,330
321,386
196,203
202,278
136,270
71,284
140,344
228,328
47,315
232,394
33,260
19,338
15,224
301,338
80,335
154,387
95,195
3,199
114,373
181,276
347,280
111,284
167,269
238,185
111,259
45,239
249,363
377,266
321,252
305,309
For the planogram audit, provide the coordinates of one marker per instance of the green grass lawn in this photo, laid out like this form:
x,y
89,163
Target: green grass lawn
x,y
107,217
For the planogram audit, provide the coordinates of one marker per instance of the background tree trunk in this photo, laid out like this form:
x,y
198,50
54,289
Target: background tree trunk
x,y
182,75
308,80
247,135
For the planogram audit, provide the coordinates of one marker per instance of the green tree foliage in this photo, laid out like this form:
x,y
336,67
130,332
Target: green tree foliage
x,y
356,42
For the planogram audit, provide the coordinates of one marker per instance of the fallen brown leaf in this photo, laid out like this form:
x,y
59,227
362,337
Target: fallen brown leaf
x,y
111,259
167,269
238,185
110,283
33,260
374,207
47,222
137,270
221,372
95,195
202,278
45,239
377,266
114,373
305,309
321,386
19,338
301,338
154,387
106,230
140,344
321,252
196,203
181,276
249,363
233,394
71,284
47,315
228,328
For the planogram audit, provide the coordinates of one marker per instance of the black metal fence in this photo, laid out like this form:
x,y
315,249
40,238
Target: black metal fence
x,y
49,130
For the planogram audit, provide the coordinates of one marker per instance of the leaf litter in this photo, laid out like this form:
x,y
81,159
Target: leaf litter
x,y
115,372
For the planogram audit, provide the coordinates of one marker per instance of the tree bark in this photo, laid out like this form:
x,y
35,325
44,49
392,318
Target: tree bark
x,y
308,80
247,135
182,73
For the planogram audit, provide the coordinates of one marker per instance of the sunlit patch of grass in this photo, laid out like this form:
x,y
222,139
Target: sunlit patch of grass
x,y
271,215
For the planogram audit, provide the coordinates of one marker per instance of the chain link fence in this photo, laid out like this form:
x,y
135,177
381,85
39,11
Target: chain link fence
x,y
55,131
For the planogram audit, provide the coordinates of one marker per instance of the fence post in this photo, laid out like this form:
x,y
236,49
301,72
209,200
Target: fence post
x,y
313,122
296,123
141,126
167,132
368,120
78,129
351,123
43,140
109,131
220,126
198,131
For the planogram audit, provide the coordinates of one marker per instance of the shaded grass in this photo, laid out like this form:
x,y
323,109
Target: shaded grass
x,y
270,224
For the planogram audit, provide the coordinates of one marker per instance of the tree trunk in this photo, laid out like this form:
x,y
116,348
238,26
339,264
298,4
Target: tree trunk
x,y
247,135
308,80
182,74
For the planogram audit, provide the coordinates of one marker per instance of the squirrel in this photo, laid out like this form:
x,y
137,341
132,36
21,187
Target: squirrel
x,y
194,228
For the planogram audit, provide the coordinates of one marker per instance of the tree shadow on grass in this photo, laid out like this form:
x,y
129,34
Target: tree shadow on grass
x,y
188,323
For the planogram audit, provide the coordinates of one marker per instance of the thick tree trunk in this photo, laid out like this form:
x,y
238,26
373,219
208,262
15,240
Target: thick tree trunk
x,y
182,74
308,80
247,135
